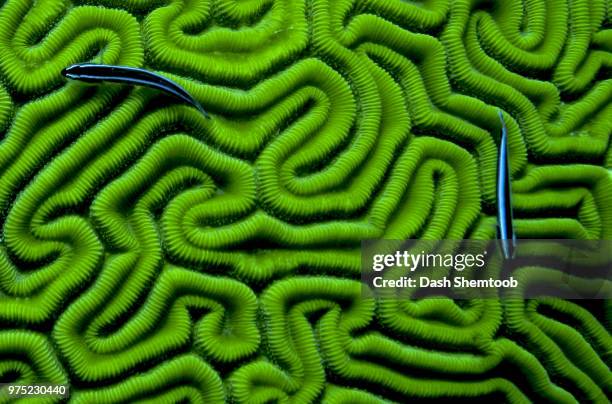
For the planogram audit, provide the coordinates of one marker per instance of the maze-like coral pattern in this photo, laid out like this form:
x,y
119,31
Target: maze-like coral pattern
x,y
150,255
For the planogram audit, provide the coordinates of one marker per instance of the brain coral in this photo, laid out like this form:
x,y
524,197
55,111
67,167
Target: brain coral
x,y
150,255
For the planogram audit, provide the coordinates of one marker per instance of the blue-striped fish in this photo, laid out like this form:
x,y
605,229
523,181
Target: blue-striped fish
x,y
505,225
100,73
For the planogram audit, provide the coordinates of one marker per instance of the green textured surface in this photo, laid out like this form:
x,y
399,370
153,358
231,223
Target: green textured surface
x,y
150,255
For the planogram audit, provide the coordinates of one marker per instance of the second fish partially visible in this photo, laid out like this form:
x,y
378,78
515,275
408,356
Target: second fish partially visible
x,y
505,216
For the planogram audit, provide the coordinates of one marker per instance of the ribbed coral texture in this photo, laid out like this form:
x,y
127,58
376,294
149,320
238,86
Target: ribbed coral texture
x,y
150,255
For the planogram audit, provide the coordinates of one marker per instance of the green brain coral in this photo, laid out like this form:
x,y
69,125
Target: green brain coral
x,y
151,255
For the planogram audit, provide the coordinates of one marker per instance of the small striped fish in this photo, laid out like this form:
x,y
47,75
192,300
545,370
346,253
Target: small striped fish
x,y
505,226
99,73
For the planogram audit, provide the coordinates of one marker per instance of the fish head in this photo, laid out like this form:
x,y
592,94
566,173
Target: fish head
x,y
72,72
81,72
